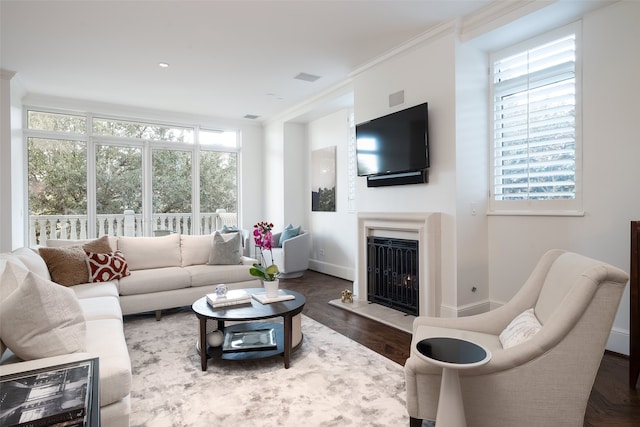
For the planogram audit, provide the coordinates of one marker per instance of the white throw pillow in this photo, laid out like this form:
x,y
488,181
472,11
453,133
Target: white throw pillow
x,y
523,327
195,249
225,249
42,319
11,277
33,261
151,252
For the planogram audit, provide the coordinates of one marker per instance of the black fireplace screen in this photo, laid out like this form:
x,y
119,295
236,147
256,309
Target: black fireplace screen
x,y
392,273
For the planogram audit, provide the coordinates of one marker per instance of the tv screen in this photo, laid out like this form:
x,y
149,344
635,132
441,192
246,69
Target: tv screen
x,y
395,143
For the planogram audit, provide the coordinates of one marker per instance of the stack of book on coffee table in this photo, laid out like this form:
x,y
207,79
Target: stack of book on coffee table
x,y
264,299
233,297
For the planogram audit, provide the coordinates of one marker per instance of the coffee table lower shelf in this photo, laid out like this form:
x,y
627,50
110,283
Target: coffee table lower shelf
x,y
252,354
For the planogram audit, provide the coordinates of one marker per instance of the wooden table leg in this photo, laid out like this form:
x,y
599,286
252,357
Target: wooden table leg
x,y
203,343
288,339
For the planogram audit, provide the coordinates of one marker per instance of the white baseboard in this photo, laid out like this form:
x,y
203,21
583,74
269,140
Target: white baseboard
x,y
465,310
618,341
332,269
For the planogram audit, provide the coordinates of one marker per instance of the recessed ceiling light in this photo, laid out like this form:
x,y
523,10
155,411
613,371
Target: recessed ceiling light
x,y
163,65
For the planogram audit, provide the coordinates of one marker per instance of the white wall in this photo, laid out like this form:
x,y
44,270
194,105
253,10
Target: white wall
x,y
272,178
472,162
297,200
496,254
251,203
5,161
334,246
426,73
12,194
611,66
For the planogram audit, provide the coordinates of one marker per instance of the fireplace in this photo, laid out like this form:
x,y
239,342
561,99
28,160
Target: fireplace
x,y
392,273
420,227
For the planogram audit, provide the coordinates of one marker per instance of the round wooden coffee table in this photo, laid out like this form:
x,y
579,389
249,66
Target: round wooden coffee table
x,y
253,313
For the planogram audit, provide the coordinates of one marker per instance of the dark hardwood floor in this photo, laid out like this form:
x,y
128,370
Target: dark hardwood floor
x,y
612,402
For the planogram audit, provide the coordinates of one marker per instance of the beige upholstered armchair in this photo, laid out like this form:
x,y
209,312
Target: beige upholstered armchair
x,y
292,258
545,380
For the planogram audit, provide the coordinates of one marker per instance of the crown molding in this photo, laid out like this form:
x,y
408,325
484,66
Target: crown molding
x,y
437,32
6,74
497,14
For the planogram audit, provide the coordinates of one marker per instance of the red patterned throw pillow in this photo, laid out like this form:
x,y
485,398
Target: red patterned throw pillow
x,y
106,267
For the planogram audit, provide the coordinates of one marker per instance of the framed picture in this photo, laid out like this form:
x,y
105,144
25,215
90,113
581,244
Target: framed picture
x,y
323,180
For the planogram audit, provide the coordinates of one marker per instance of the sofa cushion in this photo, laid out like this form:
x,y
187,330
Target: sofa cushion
x,y
94,290
195,249
105,338
203,275
143,253
33,261
101,308
154,280
42,319
106,267
225,249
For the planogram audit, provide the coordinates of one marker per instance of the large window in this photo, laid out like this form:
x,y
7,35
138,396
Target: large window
x,y
536,122
90,176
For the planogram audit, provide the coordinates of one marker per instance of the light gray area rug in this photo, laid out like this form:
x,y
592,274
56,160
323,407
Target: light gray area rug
x,y
332,381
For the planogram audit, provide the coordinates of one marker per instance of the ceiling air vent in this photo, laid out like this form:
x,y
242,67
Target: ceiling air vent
x,y
307,77
251,116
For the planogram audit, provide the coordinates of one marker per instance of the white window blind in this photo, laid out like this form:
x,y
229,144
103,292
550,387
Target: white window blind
x,y
534,123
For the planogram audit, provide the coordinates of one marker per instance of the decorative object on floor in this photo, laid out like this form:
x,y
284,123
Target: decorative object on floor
x,y
333,381
263,238
347,296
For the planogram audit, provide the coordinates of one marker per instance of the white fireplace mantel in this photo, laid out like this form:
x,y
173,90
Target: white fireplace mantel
x,y
421,226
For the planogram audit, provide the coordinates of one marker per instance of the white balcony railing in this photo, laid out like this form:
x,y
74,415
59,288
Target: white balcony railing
x,y
75,227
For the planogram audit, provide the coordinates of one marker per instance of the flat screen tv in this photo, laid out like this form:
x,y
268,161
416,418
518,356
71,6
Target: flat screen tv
x,y
395,143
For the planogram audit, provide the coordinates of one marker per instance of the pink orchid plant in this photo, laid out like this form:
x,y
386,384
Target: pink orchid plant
x,y
263,239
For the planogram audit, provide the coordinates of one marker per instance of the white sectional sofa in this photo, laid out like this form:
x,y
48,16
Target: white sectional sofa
x,y
165,272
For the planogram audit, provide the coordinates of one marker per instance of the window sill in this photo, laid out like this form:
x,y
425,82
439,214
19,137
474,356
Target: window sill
x,y
535,213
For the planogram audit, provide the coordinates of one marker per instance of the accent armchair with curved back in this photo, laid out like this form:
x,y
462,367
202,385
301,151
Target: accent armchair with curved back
x,y
292,258
543,381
